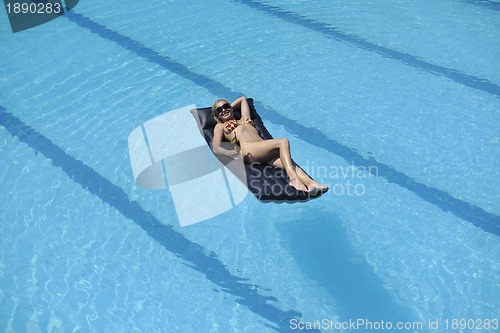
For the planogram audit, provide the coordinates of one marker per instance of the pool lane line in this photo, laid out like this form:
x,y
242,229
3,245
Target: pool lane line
x,y
193,254
405,58
484,3
467,211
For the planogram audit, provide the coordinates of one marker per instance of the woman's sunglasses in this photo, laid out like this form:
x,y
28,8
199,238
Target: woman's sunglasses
x,y
222,107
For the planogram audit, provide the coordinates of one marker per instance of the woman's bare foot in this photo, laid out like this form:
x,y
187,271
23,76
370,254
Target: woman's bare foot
x,y
314,187
298,185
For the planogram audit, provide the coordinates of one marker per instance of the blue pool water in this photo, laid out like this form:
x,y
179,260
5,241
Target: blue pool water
x,y
396,106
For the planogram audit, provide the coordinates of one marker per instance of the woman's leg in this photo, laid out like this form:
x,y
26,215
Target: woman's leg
x,y
269,150
311,184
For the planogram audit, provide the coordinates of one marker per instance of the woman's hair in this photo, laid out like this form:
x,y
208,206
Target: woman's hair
x,y
214,106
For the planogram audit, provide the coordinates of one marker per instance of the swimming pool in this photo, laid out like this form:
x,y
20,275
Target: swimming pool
x,y
394,105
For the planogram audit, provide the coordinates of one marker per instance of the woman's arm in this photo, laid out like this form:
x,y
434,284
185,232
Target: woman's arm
x,y
242,103
217,143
